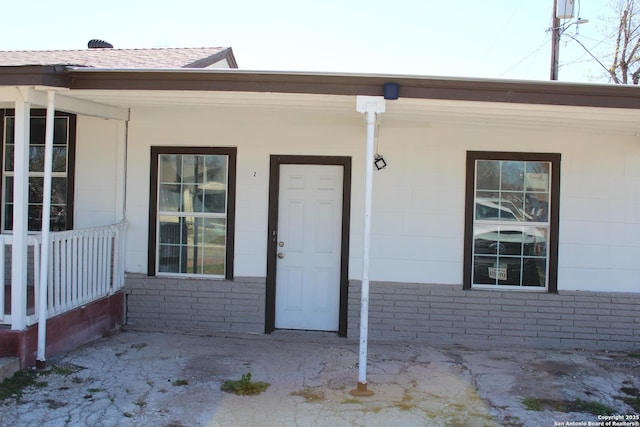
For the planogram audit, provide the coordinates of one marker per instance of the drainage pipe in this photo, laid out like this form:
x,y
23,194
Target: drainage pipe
x,y
44,244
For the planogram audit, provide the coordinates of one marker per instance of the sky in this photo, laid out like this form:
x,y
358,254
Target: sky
x,y
498,39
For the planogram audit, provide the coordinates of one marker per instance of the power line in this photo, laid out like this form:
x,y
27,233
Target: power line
x,y
526,57
587,50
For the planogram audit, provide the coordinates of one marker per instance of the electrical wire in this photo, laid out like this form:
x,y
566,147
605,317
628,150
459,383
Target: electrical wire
x,y
526,57
587,50
504,27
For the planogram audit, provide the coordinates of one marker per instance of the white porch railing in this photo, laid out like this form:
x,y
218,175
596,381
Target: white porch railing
x,y
84,265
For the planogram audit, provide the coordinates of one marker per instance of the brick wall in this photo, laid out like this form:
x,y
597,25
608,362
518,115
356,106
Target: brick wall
x,y
215,305
438,314
446,314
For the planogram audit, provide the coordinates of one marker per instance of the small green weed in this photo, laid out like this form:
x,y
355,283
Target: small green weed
x,y
309,394
244,386
351,401
62,370
128,414
406,404
578,405
594,408
14,386
634,402
632,397
532,404
180,382
140,403
635,355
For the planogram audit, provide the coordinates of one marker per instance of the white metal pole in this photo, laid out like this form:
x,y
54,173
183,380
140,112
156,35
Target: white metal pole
x,y
366,248
46,217
20,212
370,106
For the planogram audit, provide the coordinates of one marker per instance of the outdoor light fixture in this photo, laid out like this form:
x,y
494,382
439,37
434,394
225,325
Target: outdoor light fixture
x,y
379,162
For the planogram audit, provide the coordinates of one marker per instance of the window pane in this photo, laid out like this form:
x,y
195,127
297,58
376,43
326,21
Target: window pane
x,y
9,123
35,189
59,190
8,216
537,207
60,131
59,159
189,202
211,198
36,158
487,175
534,272
512,176
37,130
213,260
172,237
35,217
537,176
169,198
58,221
192,169
8,157
169,168
8,188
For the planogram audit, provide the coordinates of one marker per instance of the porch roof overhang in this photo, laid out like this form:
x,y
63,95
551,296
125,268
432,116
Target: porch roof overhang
x,y
483,101
414,87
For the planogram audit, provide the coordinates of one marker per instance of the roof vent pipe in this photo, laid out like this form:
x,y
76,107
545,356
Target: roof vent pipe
x,y
99,44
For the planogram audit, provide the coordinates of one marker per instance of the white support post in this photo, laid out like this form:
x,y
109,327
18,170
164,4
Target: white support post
x,y
371,106
46,218
20,212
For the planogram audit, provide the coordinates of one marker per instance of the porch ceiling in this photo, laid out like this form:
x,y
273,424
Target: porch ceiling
x,y
402,112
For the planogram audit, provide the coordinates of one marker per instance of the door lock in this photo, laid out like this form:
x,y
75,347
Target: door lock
x,y
280,255
281,244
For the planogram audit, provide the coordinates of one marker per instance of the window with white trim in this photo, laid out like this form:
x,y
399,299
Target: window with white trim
x,y
511,236
62,171
194,205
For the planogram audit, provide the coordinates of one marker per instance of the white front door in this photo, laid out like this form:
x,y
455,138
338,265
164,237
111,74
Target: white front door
x,y
309,247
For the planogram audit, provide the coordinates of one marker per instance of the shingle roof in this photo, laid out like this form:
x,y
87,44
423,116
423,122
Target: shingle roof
x,y
162,58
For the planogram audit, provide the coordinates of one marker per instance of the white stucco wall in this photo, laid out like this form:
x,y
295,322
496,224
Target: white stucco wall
x,y
418,219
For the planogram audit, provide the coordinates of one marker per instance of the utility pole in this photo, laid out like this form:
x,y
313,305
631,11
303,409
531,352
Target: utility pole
x,y
555,42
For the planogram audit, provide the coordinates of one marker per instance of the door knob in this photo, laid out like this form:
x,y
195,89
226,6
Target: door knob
x,y
281,244
280,255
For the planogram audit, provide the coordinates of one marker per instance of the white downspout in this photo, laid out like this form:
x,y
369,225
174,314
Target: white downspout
x,y
370,105
44,246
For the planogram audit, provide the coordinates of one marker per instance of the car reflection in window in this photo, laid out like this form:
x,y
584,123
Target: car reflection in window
x,y
507,254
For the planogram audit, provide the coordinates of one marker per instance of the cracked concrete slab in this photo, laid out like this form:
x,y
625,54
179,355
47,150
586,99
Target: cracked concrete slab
x,y
143,378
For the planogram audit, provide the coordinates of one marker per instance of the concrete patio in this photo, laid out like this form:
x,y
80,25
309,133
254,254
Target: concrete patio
x,y
144,378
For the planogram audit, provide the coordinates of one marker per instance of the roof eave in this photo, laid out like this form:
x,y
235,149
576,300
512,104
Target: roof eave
x,y
35,75
484,90
418,87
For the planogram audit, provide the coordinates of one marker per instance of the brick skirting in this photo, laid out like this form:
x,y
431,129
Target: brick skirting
x,y
446,314
438,314
199,304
